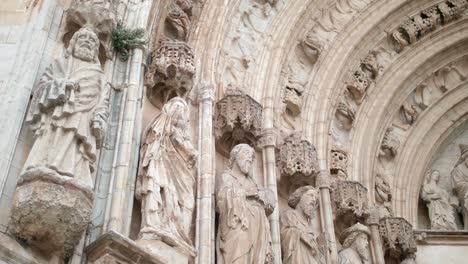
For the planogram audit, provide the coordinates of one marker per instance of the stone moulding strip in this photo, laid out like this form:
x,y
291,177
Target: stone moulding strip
x,y
441,237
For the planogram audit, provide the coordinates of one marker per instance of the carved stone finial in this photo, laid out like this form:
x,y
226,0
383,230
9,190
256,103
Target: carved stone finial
x,y
339,164
398,237
238,119
350,201
297,159
170,72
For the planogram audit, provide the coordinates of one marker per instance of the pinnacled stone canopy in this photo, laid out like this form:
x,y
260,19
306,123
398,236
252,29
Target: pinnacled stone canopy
x,y
238,120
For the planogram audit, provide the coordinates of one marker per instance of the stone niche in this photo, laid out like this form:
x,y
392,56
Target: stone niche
x,y
349,203
398,239
170,72
238,119
297,160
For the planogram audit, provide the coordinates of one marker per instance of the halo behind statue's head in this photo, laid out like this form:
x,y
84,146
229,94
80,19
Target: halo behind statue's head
x,y
176,104
349,235
296,196
238,149
79,33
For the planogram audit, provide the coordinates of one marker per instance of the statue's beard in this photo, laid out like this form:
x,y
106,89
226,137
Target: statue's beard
x,y
364,254
83,54
309,211
244,167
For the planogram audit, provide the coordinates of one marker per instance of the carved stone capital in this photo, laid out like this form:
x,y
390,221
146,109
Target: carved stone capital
x,y
206,91
374,216
323,180
268,138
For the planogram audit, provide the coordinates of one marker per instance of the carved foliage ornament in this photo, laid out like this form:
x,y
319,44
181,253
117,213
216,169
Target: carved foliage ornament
x,y
171,72
238,120
426,21
398,236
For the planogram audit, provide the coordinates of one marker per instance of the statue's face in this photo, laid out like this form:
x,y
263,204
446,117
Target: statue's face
x,y
435,176
308,203
86,46
245,160
361,245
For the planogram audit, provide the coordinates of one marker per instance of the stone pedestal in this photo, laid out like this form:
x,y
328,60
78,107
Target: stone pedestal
x,y
157,247
50,212
113,248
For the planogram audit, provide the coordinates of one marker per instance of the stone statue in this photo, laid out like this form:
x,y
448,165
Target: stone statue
x,y
383,195
355,245
460,182
244,230
166,179
441,211
298,242
69,111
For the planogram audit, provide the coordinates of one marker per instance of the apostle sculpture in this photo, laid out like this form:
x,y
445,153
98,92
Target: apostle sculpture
x,y
166,179
298,241
460,182
68,114
355,245
441,211
69,111
244,230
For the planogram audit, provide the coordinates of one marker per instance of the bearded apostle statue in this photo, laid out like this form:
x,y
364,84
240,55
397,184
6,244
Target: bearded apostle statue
x,y
69,111
355,241
298,242
243,206
166,179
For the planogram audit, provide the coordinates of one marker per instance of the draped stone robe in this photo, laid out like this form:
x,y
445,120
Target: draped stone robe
x,y
244,228
294,229
61,118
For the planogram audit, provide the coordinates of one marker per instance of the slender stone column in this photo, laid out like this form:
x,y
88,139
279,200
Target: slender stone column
x,y
268,143
205,189
323,183
373,223
122,198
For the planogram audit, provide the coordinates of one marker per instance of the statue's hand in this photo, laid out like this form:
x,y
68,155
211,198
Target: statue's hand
x,y
72,85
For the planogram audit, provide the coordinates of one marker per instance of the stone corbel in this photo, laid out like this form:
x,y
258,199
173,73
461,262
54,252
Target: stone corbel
x,y
398,238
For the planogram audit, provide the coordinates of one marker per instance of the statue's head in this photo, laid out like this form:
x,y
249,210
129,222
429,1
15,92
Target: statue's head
x,y
177,109
243,156
84,45
435,175
305,199
357,238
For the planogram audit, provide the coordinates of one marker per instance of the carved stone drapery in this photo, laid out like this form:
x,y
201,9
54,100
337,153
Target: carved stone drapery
x,y
417,27
349,202
339,164
170,73
297,159
238,119
398,237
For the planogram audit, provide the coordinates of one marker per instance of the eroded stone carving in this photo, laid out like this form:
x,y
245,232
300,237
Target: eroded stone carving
x,y
383,195
68,115
96,14
339,164
350,201
178,19
390,143
166,179
363,77
398,237
417,27
460,182
441,211
355,241
298,242
237,120
170,72
345,114
244,230
297,159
